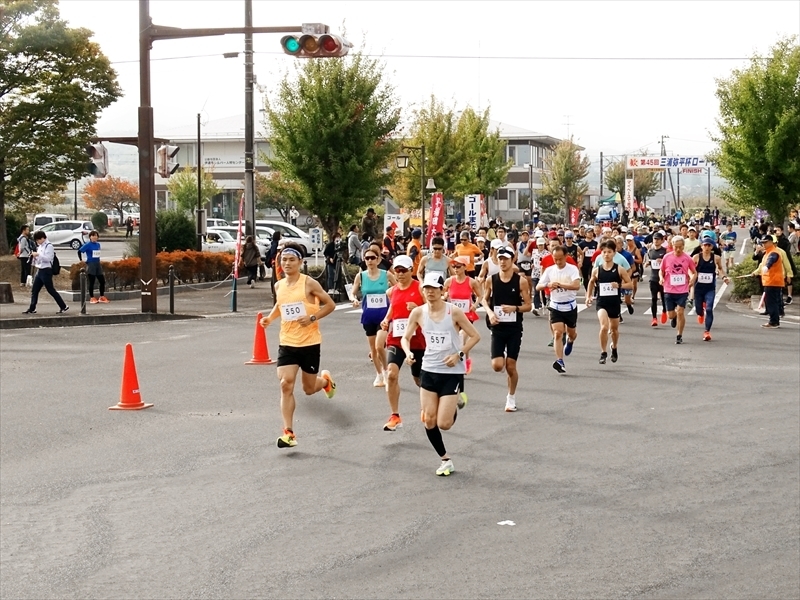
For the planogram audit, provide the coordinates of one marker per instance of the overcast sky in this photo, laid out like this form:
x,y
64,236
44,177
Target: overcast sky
x,y
509,56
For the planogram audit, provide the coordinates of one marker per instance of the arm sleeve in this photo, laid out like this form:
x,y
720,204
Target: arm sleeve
x,y
772,259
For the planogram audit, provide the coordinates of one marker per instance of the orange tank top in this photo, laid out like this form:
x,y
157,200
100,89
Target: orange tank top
x,y
293,304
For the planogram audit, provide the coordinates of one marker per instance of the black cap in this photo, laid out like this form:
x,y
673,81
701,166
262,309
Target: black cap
x,y
766,238
658,235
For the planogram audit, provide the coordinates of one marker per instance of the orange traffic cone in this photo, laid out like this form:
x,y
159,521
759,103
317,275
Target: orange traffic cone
x,y
260,347
129,397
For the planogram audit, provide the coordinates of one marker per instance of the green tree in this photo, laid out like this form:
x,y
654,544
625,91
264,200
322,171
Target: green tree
x,y
182,188
759,125
484,167
54,82
331,133
564,176
174,231
645,182
275,192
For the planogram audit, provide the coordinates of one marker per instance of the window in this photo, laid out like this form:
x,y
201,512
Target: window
x,y
511,154
523,154
512,199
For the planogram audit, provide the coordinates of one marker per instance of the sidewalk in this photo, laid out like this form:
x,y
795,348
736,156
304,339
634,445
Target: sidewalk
x,y
188,304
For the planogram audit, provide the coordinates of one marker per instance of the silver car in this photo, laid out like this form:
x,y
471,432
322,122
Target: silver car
x,y
70,233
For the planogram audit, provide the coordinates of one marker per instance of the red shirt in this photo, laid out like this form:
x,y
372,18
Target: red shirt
x,y
400,311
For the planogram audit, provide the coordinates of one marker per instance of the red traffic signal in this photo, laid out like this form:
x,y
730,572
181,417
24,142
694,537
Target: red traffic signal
x,y
314,46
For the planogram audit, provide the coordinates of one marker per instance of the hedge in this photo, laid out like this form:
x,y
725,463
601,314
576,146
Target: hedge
x,y
746,287
190,266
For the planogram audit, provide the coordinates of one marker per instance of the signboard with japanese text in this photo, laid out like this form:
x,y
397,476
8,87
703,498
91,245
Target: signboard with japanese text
x,y
472,211
315,233
395,221
661,162
629,198
436,220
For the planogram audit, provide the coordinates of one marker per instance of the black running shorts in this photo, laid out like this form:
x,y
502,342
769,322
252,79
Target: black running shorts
x,y
674,300
306,357
612,307
370,329
396,355
569,318
442,384
506,342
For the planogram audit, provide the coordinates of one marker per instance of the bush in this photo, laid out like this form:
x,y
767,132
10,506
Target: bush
x,y
14,222
174,231
746,287
100,221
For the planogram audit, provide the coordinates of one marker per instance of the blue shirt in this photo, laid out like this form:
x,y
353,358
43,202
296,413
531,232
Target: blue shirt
x,y
92,251
729,240
618,260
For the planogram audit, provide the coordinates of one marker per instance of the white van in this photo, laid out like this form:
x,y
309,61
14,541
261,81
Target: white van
x,y
43,219
288,232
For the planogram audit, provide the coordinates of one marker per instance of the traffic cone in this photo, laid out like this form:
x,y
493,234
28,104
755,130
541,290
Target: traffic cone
x,y
260,347
129,397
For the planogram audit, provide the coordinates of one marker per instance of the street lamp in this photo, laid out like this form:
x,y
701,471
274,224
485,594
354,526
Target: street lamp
x,y
402,160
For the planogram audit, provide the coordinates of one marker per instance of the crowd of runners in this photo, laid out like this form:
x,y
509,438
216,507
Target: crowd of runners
x,y
418,309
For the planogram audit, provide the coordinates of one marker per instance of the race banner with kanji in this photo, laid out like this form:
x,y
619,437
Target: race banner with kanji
x,y
472,211
661,162
436,221
629,197
574,215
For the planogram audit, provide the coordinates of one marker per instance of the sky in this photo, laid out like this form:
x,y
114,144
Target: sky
x,y
607,73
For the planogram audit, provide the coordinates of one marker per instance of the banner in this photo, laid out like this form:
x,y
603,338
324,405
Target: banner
x,y
574,215
472,211
629,199
661,162
436,220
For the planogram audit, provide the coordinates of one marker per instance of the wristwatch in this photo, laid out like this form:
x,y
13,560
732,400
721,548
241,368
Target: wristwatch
x,y
461,356
313,318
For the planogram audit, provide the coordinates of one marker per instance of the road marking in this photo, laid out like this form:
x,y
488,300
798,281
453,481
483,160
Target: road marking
x,y
744,245
717,297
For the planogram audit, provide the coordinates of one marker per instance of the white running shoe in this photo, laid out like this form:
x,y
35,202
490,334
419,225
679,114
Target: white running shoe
x,y
379,381
511,404
445,468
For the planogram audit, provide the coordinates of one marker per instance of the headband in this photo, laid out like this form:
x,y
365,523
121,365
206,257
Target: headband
x,y
292,252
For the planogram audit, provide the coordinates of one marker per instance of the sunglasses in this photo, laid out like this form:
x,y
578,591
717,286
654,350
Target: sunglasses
x,y
400,270
458,266
370,258
438,247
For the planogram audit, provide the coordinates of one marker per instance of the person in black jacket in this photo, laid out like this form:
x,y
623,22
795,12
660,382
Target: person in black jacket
x,y
330,252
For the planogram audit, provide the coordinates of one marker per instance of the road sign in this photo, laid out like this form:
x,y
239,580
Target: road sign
x,y
315,233
393,221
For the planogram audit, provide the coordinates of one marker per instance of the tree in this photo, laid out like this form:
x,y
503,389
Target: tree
x,y
759,124
331,130
54,82
174,231
275,192
564,176
484,166
645,181
111,193
182,188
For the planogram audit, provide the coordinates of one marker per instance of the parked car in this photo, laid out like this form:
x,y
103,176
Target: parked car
x,y
604,213
263,237
216,223
218,241
71,233
287,231
43,219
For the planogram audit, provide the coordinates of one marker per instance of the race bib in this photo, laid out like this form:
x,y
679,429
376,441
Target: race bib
x,y
655,264
677,279
95,253
293,311
608,289
399,327
376,301
705,278
504,317
462,304
438,340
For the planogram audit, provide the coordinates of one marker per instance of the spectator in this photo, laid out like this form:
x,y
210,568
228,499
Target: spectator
x,y
389,242
369,224
293,216
794,240
250,260
129,227
94,270
43,261
330,252
24,250
272,253
353,246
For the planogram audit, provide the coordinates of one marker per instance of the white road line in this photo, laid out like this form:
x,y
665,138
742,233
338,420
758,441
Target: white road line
x,y
744,245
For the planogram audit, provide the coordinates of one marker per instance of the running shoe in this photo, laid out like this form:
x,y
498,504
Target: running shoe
x,y
287,440
706,336
689,304
462,400
63,310
104,300
560,366
536,311
550,345
679,339
568,347
379,382
603,356
446,468
654,322
630,309
664,318
701,319
788,300
393,423
330,389
614,355
29,312
673,322
621,320
769,326
469,366
93,300
511,404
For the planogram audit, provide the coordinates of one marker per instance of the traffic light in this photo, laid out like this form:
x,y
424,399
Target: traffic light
x,y
315,46
166,164
98,159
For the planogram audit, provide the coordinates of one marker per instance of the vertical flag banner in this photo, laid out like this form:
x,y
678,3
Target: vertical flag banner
x,y
436,220
472,211
574,214
629,194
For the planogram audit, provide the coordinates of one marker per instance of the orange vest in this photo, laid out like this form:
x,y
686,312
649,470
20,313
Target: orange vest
x,y
772,277
418,245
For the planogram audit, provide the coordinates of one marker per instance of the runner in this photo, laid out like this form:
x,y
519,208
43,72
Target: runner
x,y
373,284
468,249
506,296
609,279
708,265
588,247
632,248
441,391
301,303
463,292
414,250
674,276
437,261
563,280
537,255
654,256
403,298
491,266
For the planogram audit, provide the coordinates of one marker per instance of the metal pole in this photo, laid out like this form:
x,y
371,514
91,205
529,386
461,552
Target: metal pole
x,y
422,189
601,175
75,212
83,291
199,242
709,186
147,195
249,163
171,290
678,185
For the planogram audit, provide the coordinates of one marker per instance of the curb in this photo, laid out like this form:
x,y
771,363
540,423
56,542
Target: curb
x,y
88,320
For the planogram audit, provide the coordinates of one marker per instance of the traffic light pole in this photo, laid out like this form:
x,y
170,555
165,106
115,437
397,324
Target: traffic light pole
x,y
148,33
249,133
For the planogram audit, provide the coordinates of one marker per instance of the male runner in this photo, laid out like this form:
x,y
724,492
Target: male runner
x,y
728,243
506,295
654,256
676,268
301,303
609,278
437,261
403,298
470,250
443,363
563,280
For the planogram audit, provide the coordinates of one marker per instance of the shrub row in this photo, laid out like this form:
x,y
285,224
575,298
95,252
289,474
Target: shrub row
x,y
746,287
190,266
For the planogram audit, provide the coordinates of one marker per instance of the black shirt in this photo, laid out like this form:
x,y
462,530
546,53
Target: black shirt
x,y
509,294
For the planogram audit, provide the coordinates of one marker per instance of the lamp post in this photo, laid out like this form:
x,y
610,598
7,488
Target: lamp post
x,y
401,160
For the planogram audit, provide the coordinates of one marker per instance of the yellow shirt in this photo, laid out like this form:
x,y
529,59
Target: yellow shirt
x,y
293,303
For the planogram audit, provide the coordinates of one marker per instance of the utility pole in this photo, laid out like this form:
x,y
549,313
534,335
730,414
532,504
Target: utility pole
x,y
663,153
249,133
601,174
200,211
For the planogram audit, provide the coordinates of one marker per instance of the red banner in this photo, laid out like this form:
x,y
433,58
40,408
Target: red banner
x,y
574,215
436,220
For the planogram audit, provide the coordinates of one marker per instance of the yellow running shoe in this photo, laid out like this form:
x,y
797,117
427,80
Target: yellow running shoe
x,y
287,440
330,389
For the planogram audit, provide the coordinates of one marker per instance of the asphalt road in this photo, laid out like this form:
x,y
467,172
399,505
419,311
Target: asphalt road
x,y
674,473
111,250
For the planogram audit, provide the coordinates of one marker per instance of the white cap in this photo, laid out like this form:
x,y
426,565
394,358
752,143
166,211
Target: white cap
x,y
623,229
706,224
538,233
403,261
480,238
433,280
496,243
629,237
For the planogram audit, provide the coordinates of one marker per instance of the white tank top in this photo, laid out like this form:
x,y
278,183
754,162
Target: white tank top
x,y
441,340
492,269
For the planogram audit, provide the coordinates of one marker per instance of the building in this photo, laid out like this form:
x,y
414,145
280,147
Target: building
x,y
223,156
